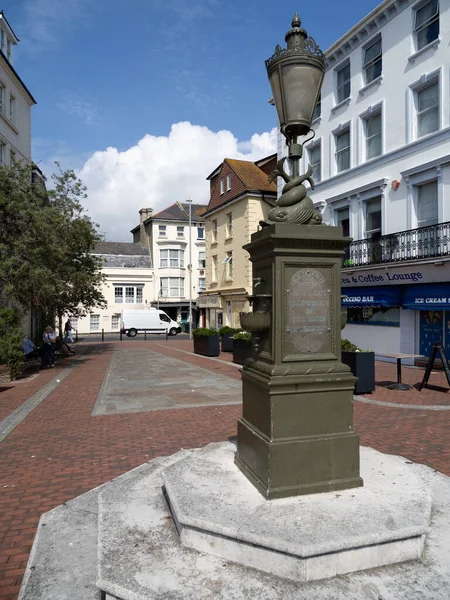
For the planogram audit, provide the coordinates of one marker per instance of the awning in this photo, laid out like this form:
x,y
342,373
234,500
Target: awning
x,y
431,296
371,296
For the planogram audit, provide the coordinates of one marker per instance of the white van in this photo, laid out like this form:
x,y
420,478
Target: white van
x,y
151,320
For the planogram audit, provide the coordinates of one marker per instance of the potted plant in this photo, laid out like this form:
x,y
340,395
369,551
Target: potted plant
x,y
242,347
206,341
362,366
226,338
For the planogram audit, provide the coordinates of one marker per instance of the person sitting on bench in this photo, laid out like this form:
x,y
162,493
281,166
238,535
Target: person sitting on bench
x,y
29,349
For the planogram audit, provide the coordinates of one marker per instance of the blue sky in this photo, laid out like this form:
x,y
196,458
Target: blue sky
x,y
119,75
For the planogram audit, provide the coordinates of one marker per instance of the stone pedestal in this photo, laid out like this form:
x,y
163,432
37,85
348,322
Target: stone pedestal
x,y
296,433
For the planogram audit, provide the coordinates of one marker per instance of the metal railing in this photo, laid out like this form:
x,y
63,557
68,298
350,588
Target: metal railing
x,y
432,241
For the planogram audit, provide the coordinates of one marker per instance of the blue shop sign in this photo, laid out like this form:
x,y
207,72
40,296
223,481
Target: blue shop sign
x,y
427,297
371,296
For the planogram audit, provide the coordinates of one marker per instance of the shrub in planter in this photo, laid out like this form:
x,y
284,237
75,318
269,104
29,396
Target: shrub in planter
x,y
206,341
242,347
362,366
226,338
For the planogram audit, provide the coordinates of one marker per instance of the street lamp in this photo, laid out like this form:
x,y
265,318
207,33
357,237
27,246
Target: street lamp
x,y
295,74
190,268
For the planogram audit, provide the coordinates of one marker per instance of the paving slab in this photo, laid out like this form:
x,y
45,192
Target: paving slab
x,y
141,380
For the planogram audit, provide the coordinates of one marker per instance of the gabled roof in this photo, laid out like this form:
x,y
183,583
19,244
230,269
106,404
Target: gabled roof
x,y
9,28
251,177
180,212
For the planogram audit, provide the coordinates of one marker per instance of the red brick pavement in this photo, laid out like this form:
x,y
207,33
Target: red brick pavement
x,y
59,451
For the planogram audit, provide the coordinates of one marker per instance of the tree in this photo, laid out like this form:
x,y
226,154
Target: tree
x,y
46,240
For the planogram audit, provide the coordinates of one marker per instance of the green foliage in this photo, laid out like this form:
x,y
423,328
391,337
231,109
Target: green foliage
x,y
228,330
347,346
46,242
204,332
243,335
11,338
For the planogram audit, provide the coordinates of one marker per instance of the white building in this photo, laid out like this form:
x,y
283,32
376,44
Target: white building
x,y
381,160
15,102
173,247
129,284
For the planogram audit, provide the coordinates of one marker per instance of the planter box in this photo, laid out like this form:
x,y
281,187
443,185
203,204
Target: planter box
x,y
242,351
207,345
362,365
226,342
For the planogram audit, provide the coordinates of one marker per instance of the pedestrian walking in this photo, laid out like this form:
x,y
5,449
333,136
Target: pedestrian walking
x,y
49,338
68,332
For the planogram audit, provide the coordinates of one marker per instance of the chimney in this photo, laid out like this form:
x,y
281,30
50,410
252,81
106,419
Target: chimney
x,y
144,214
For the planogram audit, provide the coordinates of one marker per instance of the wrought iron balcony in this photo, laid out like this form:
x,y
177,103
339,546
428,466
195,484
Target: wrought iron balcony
x,y
432,241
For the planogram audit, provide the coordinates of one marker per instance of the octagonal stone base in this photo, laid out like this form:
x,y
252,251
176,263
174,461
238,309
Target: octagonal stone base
x,y
218,511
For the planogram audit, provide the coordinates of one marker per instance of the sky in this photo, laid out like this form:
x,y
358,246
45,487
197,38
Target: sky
x,y
145,98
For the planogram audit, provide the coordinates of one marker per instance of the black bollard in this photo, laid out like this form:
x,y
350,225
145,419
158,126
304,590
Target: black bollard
x,y
103,335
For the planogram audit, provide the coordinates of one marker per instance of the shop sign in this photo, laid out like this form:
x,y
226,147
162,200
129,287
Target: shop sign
x,y
397,276
209,301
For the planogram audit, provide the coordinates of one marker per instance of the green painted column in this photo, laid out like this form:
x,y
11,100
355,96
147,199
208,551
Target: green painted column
x,y
296,433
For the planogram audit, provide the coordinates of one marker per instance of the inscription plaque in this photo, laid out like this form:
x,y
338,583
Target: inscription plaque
x,y
308,310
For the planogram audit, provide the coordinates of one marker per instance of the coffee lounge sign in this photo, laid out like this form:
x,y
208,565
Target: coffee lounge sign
x,y
397,275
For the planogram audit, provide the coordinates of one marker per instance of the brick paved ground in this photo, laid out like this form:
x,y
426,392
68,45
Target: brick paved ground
x,y
59,451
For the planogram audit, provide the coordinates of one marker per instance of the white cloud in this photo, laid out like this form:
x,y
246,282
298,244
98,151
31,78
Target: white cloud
x,y
159,171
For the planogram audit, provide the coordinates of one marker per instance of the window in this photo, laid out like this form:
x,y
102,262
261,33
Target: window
x,y
228,262
373,61
215,268
372,126
172,287
228,182
343,83
427,204
426,24
342,154
318,110
373,219
427,106
95,323
173,259
3,40
229,225
180,231
115,322
2,96
9,50
162,230
12,109
2,153
315,160
201,284
200,233
343,220
12,157
222,187
133,294
214,231
202,260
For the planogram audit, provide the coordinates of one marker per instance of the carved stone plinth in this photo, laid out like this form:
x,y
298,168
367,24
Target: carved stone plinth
x,y
296,433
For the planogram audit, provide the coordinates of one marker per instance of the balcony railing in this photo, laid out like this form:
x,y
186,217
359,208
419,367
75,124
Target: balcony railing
x,y
432,241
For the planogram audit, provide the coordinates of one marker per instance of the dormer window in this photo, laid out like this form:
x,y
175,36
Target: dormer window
x,y
228,183
3,40
9,50
222,186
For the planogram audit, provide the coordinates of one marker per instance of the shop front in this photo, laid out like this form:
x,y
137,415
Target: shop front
x,y
432,303
398,308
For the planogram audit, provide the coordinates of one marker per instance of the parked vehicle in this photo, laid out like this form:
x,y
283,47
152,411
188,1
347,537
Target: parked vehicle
x,y
151,320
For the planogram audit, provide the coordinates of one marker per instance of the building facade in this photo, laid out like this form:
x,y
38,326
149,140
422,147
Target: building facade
x,y
129,284
176,245
381,163
15,102
240,197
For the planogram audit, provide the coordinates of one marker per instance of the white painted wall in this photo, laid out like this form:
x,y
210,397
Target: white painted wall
x,y
378,339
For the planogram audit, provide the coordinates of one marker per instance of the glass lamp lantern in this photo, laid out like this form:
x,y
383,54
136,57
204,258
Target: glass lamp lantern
x,y
295,74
